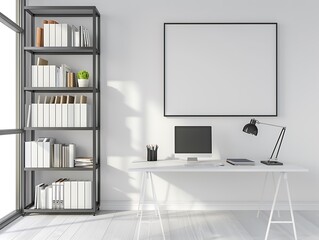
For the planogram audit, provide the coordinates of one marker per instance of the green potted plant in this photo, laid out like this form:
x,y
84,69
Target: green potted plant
x,y
83,78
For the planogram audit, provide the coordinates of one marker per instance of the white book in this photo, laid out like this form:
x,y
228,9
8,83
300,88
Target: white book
x,y
53,71
71,154
46,76
61,194
73,30
88,195
52,35
40,115
58,115
28,154
34,115
81,195
74,195
66,35
34,76
52,114
40,76
37,195
42,197
83,115
77,115
46,37
46,115
64,70
77,38
53,195
70,114
64,115
34,153
57,193
81,37
40,152
67,195
58,35
49,196
47,148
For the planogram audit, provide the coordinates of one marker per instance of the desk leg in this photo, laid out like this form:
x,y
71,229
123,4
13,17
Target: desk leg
x,y
140,204
263,192
156,204
283,174
142,194
290,206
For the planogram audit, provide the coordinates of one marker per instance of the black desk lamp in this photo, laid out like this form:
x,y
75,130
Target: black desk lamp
x,y
251,128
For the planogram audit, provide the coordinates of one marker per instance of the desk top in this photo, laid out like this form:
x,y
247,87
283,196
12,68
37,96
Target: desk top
x,y
207,166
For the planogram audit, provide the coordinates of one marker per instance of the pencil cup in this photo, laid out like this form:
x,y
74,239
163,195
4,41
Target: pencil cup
x,y
152,153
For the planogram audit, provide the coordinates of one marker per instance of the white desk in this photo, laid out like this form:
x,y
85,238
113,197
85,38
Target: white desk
x,y
148,168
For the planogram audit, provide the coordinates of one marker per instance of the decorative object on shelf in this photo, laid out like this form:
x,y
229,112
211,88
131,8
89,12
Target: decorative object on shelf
x,y
251,128
83,78
151,152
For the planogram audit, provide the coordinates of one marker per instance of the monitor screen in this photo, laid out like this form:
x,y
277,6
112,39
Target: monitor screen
x,y
193,139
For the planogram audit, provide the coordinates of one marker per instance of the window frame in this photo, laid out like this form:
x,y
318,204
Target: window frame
x,y
18,131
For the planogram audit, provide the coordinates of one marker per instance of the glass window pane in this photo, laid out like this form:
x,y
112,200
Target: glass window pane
x,y
8,78
8,8
7,174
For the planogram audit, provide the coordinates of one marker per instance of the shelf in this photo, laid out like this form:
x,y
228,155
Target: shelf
x,y
60,128
62,11
62,169
30,209
61,89
61,50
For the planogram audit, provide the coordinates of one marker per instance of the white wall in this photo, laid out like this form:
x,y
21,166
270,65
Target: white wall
x,y
132,98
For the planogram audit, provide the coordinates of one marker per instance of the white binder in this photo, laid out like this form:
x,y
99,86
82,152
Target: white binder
x,y
67,195
34,115
53,73
88,195
28,154
34,148
81,195
58,35
46,38
40,76
64,115
83,115
52,35
34,76
74,195
46,76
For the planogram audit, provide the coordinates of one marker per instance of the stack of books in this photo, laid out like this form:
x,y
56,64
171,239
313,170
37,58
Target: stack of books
x,y
44,153
58,111
83,162
53,34
64,194
45,75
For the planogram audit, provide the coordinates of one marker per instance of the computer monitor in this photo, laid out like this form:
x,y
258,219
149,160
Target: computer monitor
x,y
192,142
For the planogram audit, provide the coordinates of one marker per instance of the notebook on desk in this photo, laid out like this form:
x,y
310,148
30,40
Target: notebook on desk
x,y
240,161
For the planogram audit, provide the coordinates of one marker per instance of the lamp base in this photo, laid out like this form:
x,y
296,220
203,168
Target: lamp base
x,y
273,163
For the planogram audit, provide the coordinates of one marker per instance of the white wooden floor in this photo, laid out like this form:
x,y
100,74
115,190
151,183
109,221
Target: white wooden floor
x,y
183,225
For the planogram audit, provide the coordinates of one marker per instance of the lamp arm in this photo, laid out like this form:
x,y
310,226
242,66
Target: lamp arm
x,y
269,124
279,140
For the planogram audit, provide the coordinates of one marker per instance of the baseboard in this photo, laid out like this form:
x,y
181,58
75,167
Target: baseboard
x,y
180,205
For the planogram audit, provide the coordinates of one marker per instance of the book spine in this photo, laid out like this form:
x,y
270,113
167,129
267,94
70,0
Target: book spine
x,y
46,33
88,195
34,149
40,154
52,114
64,115
46,115
28,155
40,76
46,76
34,115
39,37
58,35
83,115
81,195
71,155
34,76
52,35
40,115
52,76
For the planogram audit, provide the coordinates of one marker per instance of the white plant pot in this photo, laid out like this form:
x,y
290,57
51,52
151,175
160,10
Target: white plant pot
x,y
83,82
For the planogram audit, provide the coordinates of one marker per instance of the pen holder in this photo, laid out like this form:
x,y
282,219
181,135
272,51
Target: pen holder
x,y
151,154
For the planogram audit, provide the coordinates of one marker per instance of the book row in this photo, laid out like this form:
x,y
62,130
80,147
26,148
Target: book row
x,y
44,153
58,111
54,34
64,194
52,76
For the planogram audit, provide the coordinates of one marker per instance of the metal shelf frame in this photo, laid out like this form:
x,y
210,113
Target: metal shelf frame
x,y
28,93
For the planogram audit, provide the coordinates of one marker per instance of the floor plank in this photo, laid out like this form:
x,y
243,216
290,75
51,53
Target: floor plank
x,y
184,225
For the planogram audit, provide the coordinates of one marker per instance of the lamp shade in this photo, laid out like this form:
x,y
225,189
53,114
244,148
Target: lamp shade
x,y
251,127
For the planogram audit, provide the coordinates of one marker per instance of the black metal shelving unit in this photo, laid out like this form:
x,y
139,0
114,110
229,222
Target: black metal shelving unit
x,y
28,96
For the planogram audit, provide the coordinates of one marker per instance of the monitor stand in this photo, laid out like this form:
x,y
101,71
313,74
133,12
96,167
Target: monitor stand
x,y
192,159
